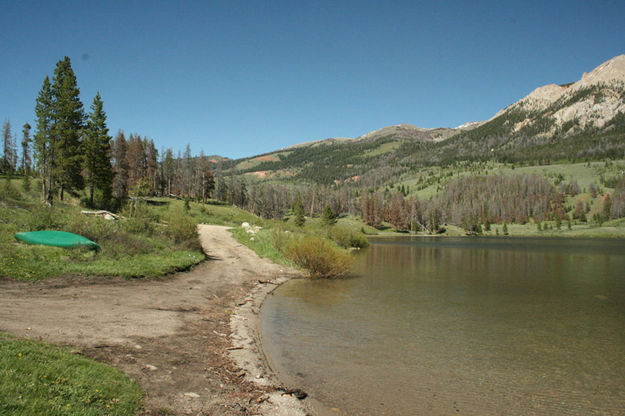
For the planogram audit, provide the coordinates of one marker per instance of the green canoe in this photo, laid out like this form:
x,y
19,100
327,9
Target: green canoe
x,y
56,238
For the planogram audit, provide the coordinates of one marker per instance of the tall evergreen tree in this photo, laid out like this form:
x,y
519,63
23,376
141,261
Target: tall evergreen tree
x,y
207,183
97,152
67,125
328,217
45,149
7,140
187,171
298,212
26,160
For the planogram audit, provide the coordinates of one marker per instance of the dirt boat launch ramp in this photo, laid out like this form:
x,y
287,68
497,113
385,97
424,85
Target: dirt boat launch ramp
x,y
172,335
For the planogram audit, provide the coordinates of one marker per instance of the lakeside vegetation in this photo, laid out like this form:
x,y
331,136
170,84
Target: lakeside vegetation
x,y
319,248
145,243
154,237
39,379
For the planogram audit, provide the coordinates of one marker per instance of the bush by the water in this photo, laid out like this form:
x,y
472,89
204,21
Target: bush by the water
x,y
346,237
318,256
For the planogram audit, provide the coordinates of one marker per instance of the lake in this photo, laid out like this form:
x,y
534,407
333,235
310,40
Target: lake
x,y
441,326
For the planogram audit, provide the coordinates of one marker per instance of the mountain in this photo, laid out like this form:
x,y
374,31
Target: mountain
x,y
408,132
336,159
577,121
584,119
591,102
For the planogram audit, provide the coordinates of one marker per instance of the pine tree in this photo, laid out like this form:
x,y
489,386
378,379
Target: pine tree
x,y
68,121
26,183
6,141
26,160
208,184
97,152
207,181
298,212
568,222
44,141
187,171
328,217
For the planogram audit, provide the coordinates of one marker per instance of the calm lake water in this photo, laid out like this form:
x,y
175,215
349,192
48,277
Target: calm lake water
x,y
442,326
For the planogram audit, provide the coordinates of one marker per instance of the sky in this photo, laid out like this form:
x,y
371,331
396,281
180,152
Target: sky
x,y
241,78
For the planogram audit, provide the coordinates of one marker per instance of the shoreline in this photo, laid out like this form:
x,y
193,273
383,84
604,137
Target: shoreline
x,y
248,353
172,336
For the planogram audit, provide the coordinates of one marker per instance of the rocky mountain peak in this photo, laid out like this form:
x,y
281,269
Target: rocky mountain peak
x,y
591,102
607,72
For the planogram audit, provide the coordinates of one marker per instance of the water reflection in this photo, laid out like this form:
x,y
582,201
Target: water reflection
x,y
441,326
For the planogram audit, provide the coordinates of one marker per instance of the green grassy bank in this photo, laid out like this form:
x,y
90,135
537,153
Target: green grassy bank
x,y
145,243
318,248
39,379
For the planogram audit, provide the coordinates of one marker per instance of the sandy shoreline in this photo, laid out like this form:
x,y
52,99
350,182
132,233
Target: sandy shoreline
x,y
248,353
191,341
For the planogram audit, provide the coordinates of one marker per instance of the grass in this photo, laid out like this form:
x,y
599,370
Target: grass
x,y
609,229
266,243
384,148
39,379
319,250
148,242
583,173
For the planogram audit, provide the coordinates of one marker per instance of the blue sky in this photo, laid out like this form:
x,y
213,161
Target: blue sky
x,y
240,78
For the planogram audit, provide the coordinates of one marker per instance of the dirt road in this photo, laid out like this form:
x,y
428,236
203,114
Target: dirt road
x,y
171,335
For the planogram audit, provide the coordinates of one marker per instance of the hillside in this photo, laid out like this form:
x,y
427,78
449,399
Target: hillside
x,y
578,121
584,120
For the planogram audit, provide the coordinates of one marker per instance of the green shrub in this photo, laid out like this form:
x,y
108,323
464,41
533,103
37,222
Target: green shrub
x,y
124,244
279,238
346,238
183,229
139,218
328,217
94,228
9,191
317,256
44,218
26,184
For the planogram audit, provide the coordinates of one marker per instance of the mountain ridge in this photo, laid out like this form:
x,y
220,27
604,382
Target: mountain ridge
x,y
577,121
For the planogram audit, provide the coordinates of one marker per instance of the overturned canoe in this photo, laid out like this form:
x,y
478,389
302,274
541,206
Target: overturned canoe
x,y
57,239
